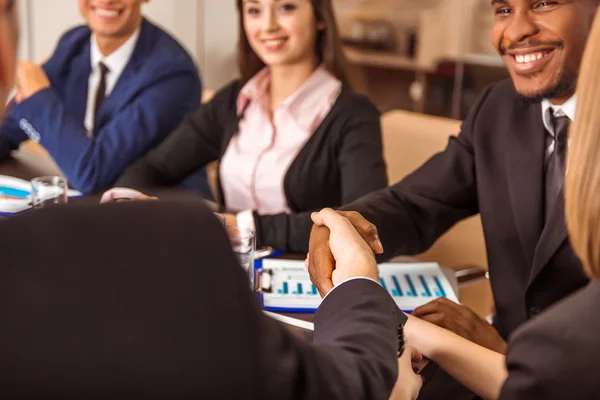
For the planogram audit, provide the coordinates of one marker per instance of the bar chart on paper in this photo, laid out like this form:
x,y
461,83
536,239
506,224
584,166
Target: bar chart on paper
x,y
409,284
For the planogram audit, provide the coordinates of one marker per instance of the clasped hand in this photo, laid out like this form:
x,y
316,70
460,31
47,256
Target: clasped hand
x,y
321,263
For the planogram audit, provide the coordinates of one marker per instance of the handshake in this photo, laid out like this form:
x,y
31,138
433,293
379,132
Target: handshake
x,y
338,253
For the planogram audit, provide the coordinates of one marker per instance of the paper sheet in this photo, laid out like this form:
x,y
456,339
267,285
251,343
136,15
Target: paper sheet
x,y
409,284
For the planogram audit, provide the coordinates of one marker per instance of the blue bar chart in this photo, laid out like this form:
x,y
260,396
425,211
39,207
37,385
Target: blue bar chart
x,y
410,285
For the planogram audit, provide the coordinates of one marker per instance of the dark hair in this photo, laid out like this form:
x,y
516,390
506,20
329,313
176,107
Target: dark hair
x,y
328,45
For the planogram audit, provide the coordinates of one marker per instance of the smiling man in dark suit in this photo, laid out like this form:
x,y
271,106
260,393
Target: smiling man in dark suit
x,y
112,90
508,165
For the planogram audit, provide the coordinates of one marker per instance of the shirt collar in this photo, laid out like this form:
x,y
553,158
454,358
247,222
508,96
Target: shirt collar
x,y
256,89
567,109
117,61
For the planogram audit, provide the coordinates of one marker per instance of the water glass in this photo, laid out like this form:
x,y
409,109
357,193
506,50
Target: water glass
x,y
243,245
48,191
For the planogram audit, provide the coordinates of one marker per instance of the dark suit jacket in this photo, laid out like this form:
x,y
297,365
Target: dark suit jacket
x,y
556,355
147,300
342,161
494,167
159,86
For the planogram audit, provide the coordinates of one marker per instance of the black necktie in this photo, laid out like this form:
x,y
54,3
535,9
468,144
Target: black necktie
x,y
101,91
555,170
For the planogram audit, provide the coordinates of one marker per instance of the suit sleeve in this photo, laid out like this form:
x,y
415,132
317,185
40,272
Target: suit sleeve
x,y
362,171
196,142
354,354
93,164
413,213
11,135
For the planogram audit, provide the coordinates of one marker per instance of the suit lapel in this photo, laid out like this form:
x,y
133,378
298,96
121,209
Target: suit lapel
x,y
525,166
122,93
77,85
553,235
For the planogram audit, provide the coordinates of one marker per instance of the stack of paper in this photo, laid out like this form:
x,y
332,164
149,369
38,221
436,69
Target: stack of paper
x,y
286,285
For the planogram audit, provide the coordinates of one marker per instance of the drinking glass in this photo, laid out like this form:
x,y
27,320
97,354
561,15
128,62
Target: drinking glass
x,y
48,191
243,244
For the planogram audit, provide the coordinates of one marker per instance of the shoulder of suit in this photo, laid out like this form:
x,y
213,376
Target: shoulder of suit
x,y
352,102
504,88
73,40
224,102
165,48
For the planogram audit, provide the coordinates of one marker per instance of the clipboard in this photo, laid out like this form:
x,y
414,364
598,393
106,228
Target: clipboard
x,y
285,286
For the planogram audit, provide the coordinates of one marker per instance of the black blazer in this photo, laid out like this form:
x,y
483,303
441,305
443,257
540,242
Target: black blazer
x,y
556,355
494,167
146,299
342,161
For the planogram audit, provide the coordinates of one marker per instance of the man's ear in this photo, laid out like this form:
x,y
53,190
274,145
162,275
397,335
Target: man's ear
x,y
321,25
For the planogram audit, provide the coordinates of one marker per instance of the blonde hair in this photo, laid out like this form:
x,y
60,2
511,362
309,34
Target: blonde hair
x,y
582,182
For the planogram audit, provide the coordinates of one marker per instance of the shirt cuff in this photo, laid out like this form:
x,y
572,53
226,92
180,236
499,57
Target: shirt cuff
x,y
245,219
348,280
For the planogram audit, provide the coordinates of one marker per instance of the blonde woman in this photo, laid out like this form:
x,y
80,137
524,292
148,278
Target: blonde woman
x,y
554,356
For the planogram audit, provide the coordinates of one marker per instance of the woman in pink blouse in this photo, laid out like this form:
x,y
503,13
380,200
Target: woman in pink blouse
x,y
291,135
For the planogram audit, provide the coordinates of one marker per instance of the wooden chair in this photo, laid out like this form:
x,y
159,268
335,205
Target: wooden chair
x,y
410,139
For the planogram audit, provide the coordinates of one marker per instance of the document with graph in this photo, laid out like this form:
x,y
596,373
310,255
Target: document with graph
x,y
286,285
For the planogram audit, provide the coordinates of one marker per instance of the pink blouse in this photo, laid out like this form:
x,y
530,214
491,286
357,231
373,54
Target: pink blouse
x,y
258,156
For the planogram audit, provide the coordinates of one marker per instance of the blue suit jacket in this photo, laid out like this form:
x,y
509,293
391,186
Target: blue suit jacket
x,y
159,86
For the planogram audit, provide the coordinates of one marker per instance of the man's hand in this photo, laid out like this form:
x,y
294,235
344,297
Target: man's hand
x,y
462,321
229,219
321,261
345,247
408,384
30,79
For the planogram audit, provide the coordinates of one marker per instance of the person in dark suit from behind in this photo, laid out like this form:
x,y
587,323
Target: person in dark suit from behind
x,y
113,89
507,164
159,307
554,356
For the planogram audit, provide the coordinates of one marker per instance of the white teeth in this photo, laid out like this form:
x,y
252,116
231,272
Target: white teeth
x,y
527,58
106,13
271,43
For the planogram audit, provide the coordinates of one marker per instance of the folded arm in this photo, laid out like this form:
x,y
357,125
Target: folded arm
x,y
93,164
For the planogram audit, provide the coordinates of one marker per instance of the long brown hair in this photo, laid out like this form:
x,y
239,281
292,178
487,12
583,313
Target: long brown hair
x,y
328,45
582,182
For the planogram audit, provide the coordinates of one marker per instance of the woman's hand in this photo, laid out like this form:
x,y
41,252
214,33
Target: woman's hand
x,y
408,384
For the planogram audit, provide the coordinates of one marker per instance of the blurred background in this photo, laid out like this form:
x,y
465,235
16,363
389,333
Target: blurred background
x,y
429,56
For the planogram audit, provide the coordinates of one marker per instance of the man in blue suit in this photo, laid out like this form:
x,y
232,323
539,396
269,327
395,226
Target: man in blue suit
x,y
111,91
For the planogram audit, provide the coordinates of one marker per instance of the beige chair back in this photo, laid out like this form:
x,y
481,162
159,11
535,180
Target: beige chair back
x,y
410,139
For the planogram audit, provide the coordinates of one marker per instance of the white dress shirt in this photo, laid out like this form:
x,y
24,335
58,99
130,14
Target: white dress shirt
x,y
566,109
115,62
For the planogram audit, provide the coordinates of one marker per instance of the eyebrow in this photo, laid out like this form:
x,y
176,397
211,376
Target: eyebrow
x,y
499,2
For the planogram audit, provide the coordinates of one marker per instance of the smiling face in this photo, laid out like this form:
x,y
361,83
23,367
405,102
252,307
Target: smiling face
x,y
542,42
116,19
281,32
